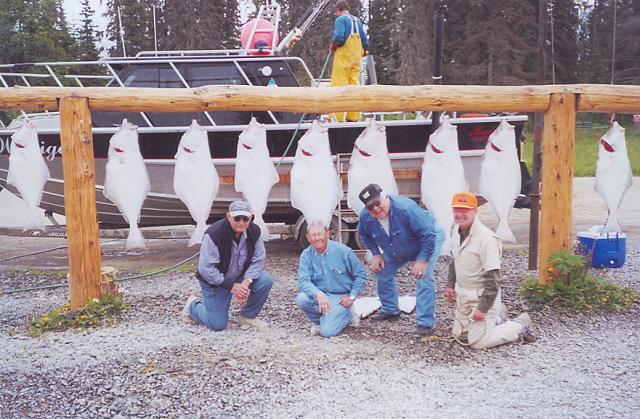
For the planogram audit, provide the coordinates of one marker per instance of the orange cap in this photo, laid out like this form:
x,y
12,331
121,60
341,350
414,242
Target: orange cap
x,y
466,200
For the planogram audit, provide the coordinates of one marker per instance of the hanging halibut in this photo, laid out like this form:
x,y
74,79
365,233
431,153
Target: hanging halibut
x,y
28,172
126,181
442,176
316,188
255,173
195,178
370,163
613,173
500,181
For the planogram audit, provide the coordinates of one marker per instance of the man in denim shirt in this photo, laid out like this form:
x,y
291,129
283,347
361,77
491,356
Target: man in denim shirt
x,y
397,230
330,277
231,264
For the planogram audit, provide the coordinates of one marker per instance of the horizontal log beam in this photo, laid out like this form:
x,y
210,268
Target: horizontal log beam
x,y
592,98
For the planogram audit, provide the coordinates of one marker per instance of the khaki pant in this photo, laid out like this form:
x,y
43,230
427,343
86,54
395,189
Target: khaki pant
x,y
483,334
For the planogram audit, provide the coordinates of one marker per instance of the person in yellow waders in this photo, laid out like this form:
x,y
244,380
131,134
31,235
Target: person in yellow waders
x,y
350,44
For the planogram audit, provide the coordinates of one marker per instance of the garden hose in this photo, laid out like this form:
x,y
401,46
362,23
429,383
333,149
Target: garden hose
x,y
44,287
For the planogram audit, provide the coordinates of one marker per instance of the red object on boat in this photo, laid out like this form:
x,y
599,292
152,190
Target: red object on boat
x,y
260,39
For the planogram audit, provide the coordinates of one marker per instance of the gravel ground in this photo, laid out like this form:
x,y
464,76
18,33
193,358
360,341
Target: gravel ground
x,y
151,364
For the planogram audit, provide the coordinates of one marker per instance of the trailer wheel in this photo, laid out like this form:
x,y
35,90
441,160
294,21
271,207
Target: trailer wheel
x,y
300,229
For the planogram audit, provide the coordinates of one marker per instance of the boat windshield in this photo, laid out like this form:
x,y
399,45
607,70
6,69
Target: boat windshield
x,y
175,74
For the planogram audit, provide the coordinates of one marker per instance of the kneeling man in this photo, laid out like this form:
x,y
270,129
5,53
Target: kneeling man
x,y
473,283
232,257
330,277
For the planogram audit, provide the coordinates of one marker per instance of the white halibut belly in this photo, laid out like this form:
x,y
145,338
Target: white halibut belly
x,y
196,187
315,192
255,181
362,174
127,187
29,177
440,180
500,185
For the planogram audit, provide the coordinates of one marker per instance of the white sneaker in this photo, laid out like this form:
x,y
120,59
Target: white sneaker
x,y
315,329
528,333
524,320
355,317
503,315
185,314
255,322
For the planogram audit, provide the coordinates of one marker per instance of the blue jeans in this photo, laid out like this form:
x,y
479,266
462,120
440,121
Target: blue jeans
x,y
213,309
425,286
332,323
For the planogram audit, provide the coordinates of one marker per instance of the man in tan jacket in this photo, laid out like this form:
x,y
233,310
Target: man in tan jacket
x,y
474,282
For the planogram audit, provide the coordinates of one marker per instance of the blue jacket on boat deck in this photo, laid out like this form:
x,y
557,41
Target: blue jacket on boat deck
x,y
412,231
343,28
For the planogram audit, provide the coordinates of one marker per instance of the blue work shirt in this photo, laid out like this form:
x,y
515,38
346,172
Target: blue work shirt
x,y
343,28
210,257
412,231
335,271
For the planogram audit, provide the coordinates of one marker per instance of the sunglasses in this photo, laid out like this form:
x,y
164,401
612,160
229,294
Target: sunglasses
x,y
239,218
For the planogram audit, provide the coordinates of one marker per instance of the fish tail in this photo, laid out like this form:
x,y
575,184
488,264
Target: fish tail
x,y
264,230
34,221
135,240
504,232
612,225
198,233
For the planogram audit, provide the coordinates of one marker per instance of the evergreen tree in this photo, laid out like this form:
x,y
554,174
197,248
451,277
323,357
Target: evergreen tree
x,y
313,48
86,34
137,24
200,24
490,42
627,60
414,42
566,26
383,44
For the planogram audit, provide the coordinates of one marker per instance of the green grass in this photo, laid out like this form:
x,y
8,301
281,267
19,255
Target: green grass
x,y
95,313
573,288
586,150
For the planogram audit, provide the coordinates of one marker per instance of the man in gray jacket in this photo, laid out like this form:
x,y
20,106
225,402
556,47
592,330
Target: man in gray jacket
x,y
232,257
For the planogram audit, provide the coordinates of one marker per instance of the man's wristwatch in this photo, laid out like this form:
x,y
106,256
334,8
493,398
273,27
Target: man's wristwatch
x,y
352,297
250,280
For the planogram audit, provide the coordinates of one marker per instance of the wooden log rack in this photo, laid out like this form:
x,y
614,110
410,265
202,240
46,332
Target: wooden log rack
x,y
558,102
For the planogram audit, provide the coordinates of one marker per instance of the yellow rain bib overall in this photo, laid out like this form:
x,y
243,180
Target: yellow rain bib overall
x,y
346,67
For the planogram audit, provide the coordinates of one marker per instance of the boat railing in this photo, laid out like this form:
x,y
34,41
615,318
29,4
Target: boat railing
x,y
192,53
106,71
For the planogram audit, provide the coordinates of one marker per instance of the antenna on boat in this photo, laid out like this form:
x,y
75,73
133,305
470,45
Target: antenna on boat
x,y
155,33
436,77
124,52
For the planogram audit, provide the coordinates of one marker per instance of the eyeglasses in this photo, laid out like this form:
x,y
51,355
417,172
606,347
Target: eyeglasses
x,y
371,206
239,218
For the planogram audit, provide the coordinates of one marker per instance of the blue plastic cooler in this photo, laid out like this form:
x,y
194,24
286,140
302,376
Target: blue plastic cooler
x,y
609,249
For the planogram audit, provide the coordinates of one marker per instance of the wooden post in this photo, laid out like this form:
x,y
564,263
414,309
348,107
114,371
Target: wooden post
x,y
78,165
558,137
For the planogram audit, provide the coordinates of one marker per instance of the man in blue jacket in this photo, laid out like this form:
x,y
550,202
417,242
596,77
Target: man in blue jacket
x,y
330,277
397,230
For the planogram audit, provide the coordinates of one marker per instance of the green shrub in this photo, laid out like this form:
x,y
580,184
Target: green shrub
x,y
94,313
572,289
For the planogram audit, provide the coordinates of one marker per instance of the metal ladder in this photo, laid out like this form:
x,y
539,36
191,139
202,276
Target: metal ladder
x,y
271,12
345,214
